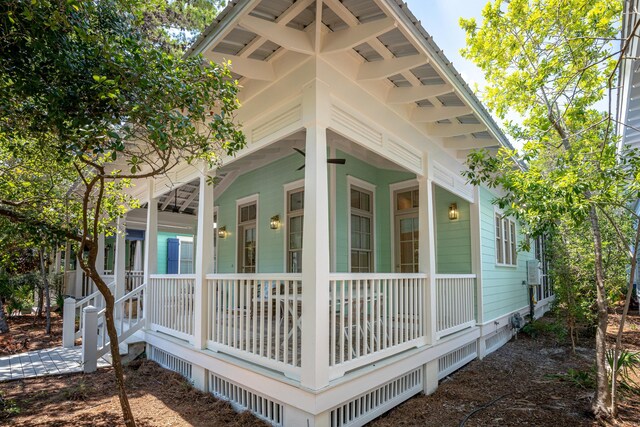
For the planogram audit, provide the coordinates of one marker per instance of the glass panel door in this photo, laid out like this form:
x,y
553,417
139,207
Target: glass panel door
x,y
406,231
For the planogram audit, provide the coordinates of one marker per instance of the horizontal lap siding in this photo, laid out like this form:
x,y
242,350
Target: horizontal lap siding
x,y
267,182
453,237
381,178
502,290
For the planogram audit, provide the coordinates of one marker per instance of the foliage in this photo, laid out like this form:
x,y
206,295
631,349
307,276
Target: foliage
x,y
551,67
627,368
8,407
539,327
89,103
582,378
16,291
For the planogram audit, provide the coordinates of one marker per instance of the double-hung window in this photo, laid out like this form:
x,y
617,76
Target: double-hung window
x,y
506,247
361,230
295,219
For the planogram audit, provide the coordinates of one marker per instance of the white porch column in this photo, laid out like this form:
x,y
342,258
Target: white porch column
x,y
427,264
67,265
150,245
203,258
119,264
151,234
204,265
100,257
476,262
137,256
315,262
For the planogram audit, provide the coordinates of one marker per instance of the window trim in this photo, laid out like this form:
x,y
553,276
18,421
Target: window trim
x,y
393,188
240,202
508,243
371,188
286,188
187,239
288,215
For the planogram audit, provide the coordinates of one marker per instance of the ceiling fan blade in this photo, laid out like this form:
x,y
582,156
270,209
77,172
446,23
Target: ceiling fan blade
x,y
299,151
337,161
300,168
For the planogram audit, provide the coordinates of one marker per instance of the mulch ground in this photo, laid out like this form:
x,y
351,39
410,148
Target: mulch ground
x,y
525,383
25,335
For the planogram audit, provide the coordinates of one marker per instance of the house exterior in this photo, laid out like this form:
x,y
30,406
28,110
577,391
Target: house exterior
x,y
327,294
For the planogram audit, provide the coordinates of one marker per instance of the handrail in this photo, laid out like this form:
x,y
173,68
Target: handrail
x,y
371,276
93,295
124,298
255,276
455,276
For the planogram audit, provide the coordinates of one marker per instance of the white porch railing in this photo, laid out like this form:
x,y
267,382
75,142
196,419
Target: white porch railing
x,y
373,316
171,304
133,279
455,303
257,317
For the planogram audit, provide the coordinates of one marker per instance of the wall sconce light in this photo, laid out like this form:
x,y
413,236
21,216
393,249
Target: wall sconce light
x,y
274,222
222,232
453,211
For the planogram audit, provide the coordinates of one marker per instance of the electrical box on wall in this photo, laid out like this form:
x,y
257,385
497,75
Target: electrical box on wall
x,y
533,272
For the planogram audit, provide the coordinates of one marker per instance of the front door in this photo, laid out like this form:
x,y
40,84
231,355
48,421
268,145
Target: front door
x,y
406,230
247,238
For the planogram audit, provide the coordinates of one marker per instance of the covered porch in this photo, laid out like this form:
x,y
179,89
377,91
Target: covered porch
x,y
387,264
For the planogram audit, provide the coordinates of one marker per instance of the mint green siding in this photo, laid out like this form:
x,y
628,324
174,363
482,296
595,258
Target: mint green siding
x,y
502,289
381,178
453,237
267,182
162,249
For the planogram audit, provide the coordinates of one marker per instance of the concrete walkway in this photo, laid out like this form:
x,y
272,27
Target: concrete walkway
x,y
50,361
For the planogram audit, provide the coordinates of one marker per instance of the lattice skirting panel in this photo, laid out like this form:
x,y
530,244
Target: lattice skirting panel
x,y
244,399
374,403
456,359
498,339
171,362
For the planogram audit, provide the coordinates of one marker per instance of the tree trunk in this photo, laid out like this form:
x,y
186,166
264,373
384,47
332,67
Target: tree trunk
x,y
625,311
91,271
600,405
40,306
4,326
47,295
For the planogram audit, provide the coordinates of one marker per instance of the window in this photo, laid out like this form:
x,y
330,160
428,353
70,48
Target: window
x,y
247,237
185,255
506,248
361,230
295,219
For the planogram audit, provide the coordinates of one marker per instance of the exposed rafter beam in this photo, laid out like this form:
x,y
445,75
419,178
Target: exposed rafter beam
x,y
249,68
166,201
190,199
433,114
389,67
289,38
294,10
453,129
351,37
468,142
406,95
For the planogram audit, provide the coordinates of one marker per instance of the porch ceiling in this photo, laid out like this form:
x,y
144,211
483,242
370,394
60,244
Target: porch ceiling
x,y
389,56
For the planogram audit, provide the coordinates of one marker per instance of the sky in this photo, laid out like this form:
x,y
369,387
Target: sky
x,y
440,19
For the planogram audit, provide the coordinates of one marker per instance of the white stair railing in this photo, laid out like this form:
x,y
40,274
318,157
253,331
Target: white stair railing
x,y
73,310
129,319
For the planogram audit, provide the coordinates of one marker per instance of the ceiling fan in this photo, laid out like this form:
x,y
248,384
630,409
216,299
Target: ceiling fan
x,y
176,208
332,161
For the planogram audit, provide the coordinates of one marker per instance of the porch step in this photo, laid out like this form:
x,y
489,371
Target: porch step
x,y
133,350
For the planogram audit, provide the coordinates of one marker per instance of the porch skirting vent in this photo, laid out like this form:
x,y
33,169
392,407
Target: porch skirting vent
x,y
171,362
497,340
370,405
456,359
244,399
